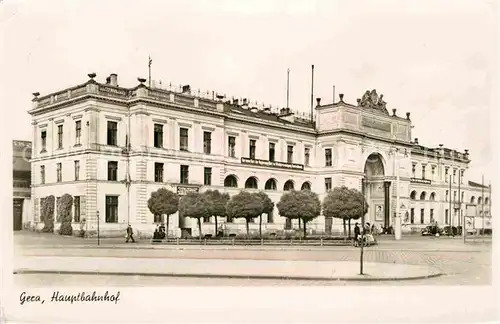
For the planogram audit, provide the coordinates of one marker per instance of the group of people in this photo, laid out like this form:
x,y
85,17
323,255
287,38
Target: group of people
x,y
368,231
159,233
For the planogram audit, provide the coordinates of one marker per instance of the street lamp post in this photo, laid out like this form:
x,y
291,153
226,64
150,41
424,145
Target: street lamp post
x,y
397,219
98,238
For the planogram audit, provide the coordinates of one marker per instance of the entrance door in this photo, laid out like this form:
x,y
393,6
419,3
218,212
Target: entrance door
x,y
18,214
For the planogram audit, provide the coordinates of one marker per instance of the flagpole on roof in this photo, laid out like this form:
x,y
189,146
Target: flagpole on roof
x,y
149,67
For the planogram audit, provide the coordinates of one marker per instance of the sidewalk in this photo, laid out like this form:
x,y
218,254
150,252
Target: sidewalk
x,y
254,269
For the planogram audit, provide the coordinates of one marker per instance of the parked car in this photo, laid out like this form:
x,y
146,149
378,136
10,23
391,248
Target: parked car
x,y
431,230
453,231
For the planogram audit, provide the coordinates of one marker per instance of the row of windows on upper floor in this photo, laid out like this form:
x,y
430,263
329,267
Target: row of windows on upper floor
x,y
112,130
445,176
432,197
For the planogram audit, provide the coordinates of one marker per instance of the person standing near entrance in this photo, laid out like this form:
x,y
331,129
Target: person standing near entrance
x,y
130,234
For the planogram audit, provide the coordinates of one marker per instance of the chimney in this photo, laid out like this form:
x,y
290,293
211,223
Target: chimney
x,y
236,102
341,97
416,141
358,101
108,80
113,79
186,89
394,112
318,101
245,101
408,115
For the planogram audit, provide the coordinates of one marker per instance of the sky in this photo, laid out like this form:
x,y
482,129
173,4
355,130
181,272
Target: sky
x,y
435,59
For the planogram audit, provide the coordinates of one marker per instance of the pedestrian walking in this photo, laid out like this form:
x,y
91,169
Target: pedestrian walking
x,y
357,232
82,228
130,234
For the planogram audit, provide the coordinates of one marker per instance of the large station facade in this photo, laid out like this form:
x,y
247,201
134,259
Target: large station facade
x,y
110,147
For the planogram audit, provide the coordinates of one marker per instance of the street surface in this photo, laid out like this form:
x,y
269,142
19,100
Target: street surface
x,y
469,264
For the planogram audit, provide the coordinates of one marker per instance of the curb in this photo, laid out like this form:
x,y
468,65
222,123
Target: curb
x,y
265,277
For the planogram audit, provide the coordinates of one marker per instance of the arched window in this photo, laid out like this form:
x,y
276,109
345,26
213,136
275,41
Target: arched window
x,y
413,195
306,186
423,195
479,200
270,185
486,201
472,200
231,181
251,183
288,185
433,196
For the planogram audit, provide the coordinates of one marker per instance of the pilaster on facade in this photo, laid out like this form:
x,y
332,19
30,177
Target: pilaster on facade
x,y
90,209
141,192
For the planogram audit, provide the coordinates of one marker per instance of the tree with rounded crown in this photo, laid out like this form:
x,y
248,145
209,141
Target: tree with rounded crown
x,y
267,207
346,204
64,207
194,205
163,202
245,205
217,202
304,205
47,205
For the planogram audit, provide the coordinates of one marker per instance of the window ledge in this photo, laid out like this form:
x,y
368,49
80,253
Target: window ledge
x,y
77,145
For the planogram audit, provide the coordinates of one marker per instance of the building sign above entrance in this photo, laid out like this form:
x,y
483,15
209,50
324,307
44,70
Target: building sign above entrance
x,y
422,181
273,164
184,190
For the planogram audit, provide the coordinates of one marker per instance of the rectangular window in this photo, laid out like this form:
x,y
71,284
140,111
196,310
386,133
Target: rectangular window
x,y
251,151
328,225
423,171
289,156
422,216
184,139
59,172
454,175
454,196
207,142
42,174
44,140
111,209
462,176
288,224
184,174
158,135
271,151
412,216
446,216
432,215
445,174
112,171
76,214
462,197
77,170
328,157
446,195
328,184
78,132
60,136
207,178
433,171
232,146
306,156
112,133
413,166
206,219
158,172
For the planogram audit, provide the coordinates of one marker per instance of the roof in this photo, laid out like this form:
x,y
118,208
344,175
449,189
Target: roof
x,y
478,185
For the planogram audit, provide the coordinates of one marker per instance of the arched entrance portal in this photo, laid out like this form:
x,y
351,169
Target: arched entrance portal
x,y
377,190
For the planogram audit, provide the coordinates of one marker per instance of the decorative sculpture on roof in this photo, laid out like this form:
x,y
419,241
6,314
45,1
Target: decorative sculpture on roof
x,y
372,100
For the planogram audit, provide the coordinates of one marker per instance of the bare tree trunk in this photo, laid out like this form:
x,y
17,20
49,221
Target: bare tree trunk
x,y
260,226
199,227
349,228
166,234
248,228
216,227
299,223
305,231
345,229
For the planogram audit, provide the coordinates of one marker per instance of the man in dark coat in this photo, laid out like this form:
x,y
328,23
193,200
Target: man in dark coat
x,y
357,232
130,234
